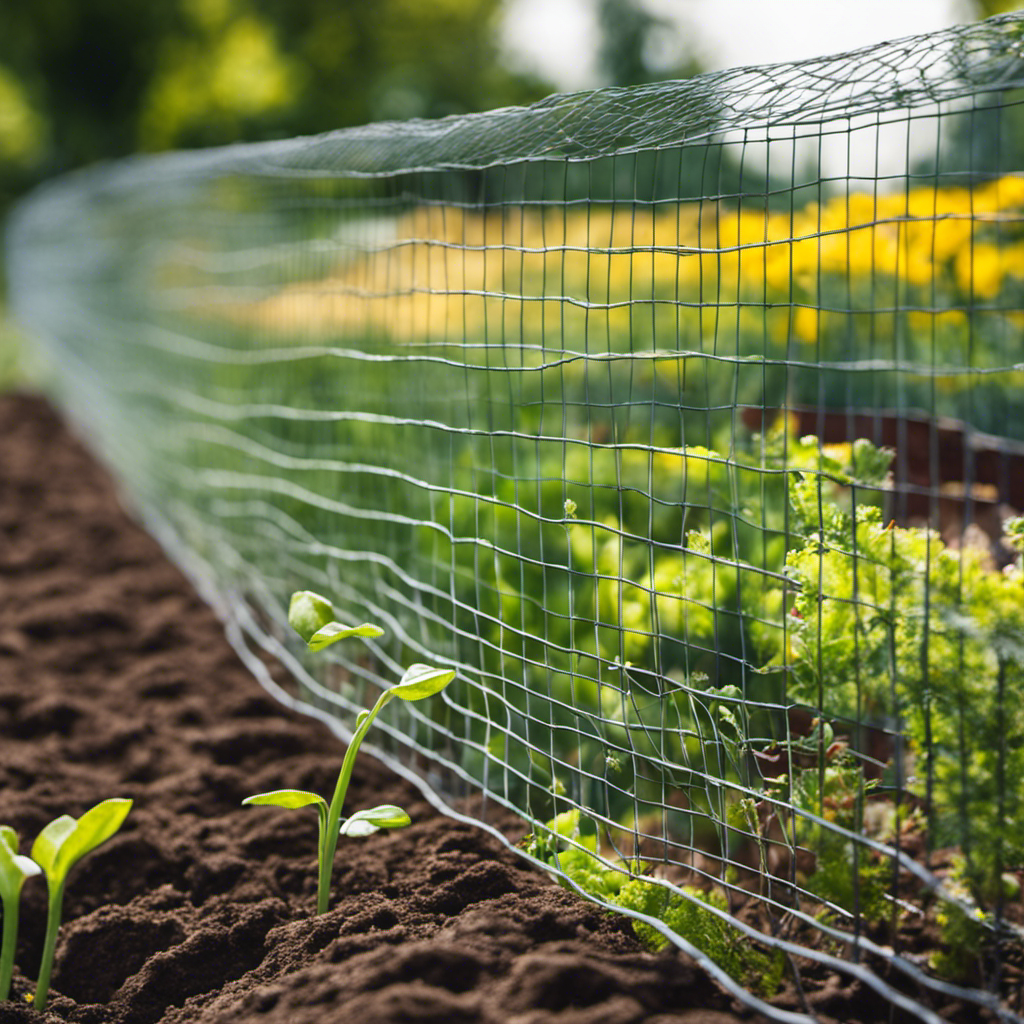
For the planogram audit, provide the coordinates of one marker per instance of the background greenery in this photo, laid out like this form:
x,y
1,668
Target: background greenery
x,y
89,80
86,80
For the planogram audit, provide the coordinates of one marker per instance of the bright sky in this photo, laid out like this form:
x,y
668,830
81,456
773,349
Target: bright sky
x,y
559,37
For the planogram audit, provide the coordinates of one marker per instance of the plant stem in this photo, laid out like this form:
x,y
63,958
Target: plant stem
x,y
46,966
7,946
330,839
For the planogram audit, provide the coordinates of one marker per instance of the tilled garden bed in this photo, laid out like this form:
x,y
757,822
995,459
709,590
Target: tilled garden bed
x,y
115,680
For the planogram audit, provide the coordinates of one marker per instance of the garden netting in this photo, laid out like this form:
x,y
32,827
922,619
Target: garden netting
x,y
685,421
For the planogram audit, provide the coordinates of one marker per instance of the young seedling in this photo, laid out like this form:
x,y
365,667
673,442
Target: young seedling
x,y
14,869
57,849
312,617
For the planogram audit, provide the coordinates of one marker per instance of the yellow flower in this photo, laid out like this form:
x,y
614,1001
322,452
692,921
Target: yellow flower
x,y
979,270
806,324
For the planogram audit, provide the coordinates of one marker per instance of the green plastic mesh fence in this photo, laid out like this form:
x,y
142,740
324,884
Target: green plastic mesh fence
x,y
686,422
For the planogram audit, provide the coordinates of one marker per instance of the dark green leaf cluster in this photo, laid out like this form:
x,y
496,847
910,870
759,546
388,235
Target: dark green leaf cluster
x,y
575,856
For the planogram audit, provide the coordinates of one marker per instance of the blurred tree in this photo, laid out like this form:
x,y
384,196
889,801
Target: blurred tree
x,y
82,80
986,136
986,8
638,46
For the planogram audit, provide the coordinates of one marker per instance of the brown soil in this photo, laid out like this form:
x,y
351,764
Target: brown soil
x,y
115,680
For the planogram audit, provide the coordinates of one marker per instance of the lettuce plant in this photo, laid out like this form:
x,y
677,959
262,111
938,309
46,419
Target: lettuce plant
x,y
14,869
57,849
313,618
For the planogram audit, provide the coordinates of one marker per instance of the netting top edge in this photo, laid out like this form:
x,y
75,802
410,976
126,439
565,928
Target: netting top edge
x,y
903,74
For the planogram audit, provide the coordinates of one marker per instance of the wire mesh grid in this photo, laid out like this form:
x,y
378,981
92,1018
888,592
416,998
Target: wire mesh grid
x,y
684,421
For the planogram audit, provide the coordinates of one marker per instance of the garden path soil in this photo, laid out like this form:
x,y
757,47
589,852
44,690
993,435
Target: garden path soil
x,y
115,680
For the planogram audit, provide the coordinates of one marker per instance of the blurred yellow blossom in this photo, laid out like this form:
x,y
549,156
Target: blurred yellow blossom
x,y
889,268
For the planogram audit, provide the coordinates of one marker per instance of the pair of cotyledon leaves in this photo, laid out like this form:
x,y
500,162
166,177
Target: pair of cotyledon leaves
x,y
312,617
60,845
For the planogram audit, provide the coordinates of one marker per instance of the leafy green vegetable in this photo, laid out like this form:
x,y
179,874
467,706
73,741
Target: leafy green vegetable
x,y
312,617
14,869
57,849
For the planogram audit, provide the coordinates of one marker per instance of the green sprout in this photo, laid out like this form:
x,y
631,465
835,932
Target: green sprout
x,y
14,869
57,849
312,617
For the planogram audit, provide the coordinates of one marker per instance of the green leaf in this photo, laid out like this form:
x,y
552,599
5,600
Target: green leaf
x,y
384,816
335,631
422,681
284,798
93,829
357,828
48,843
65,841
14,869
309,612
699,542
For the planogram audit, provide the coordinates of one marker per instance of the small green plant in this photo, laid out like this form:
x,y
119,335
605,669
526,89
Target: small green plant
x,y
687,913
962,930
564,848
57,849
313,618
14,869
844,872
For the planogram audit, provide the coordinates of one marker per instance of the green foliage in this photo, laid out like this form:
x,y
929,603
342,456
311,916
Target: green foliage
x,y
184,73
1014,530
889,623
962,931
57,849
312,617
687,914
564,848
14,870
805,574
575,856
845,873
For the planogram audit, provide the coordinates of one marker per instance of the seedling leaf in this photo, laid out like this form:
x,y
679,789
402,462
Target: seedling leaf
x,y
91,830
308,612
335,631
313,618
422,681
357,828
285,798
384,816
47,846
14,868
61,845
